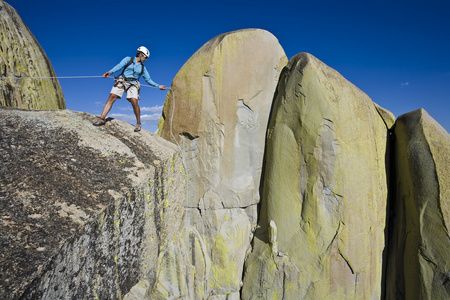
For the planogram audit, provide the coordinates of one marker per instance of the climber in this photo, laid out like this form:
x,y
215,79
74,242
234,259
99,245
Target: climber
x,y
128,82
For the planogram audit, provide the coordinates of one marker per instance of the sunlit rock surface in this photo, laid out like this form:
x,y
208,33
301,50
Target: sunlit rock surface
x,y
84,210
22,56
325,189
345,213
419,257
217,112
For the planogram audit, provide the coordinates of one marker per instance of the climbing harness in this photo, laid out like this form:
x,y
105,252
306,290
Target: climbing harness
x,y
123,82
127,65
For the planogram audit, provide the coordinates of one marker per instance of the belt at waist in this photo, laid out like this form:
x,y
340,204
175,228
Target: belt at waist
x,y
126,79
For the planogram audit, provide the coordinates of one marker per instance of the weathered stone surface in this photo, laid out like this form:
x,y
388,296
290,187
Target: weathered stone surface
x,y
325,188
217,111
106,213
419,257
207,257
22,56
84,210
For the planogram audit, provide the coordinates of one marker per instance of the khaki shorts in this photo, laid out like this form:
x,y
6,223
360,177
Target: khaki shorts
x,y
121,86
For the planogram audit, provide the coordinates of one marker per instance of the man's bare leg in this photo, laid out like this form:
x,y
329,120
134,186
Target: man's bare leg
x,y
108,105
137,112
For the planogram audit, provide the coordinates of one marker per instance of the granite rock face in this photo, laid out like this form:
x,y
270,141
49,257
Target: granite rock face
x,y
419,256
217,112
345,213
325,191
84,210
22,56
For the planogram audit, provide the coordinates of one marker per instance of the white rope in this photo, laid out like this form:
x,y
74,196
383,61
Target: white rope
x,y
171,119
70,77
187,219
54,77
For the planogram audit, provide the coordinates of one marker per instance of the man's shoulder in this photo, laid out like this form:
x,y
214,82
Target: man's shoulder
x,y
127,58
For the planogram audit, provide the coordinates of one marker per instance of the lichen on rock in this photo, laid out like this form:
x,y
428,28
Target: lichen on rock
x,y
84,210
325,187
419,255
21,57
217,112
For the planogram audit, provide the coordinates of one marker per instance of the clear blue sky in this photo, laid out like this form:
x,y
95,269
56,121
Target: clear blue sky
x,y
395,51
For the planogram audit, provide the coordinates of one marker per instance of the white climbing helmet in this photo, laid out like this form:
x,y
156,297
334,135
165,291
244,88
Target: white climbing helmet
x,y
144,51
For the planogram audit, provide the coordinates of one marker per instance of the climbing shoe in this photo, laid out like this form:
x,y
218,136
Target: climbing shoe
x,y
99,122
138,127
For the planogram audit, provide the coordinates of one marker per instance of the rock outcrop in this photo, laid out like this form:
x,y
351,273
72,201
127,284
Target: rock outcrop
x,y
22,56
325,190
267,184
217,112
84,211
419,256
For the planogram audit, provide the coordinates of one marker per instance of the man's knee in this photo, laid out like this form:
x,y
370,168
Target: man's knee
x,y
133,101
112,98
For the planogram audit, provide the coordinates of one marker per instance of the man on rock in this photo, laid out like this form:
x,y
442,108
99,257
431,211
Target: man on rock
x,y
128,82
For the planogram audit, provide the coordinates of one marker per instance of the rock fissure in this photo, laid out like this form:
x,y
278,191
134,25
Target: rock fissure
x,y
293,193
347,262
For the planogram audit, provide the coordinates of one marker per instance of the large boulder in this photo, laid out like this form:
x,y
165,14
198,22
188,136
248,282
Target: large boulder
x,y
419,257
323,205
22,56
84,211
217,112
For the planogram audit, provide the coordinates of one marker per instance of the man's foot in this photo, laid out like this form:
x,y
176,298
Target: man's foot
x,y
138,127
99,122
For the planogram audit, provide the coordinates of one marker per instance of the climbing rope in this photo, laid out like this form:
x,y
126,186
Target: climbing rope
x,y
69,77
183,160
54,77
